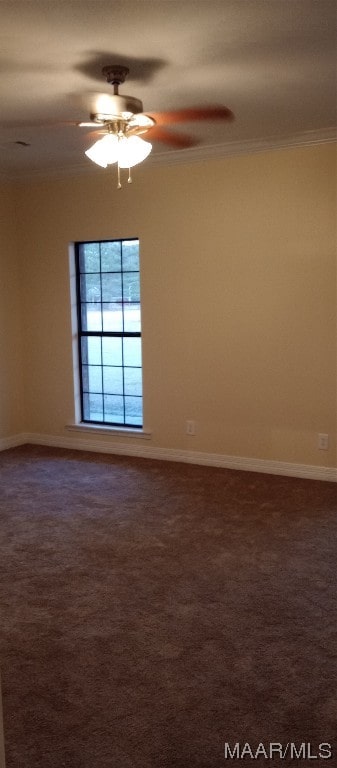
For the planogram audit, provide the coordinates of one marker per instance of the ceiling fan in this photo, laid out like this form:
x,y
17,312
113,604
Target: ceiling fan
x,y
123,123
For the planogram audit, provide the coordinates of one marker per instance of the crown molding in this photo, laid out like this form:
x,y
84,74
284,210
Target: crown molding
x,y
188,156
245,147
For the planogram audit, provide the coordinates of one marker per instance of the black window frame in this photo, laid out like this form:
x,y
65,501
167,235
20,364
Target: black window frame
x,y
82,333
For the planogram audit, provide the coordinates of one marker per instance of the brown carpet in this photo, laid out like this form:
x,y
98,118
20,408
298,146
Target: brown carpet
x,y
153,611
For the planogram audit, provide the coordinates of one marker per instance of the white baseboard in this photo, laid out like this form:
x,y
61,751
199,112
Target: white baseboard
x,y
141,450
12,442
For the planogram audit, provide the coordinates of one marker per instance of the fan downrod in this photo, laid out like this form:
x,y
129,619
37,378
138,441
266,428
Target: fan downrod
x,y
115,74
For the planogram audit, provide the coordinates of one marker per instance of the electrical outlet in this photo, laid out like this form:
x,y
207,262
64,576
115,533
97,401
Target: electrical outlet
x,y
190,427
323,442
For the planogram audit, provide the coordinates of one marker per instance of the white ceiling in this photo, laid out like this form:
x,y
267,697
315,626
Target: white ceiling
x,y
273,62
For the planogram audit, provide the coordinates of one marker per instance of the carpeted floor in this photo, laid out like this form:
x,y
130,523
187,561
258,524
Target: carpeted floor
x,y
152,612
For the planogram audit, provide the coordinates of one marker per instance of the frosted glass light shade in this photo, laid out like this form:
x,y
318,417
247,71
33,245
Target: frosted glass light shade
x,y
105,151
132,150
126,150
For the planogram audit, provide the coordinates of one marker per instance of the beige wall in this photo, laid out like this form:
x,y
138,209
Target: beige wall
x,y
11,373
238,262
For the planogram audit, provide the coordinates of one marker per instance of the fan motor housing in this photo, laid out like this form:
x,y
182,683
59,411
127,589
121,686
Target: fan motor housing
x,y
117,106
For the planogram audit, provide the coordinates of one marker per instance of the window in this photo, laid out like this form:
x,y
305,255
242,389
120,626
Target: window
x,y
109,332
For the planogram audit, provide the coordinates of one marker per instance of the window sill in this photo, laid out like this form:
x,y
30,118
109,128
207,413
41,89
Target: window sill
x,y
105,430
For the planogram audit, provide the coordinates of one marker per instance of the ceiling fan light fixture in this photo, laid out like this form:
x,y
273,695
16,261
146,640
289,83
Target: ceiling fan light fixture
x,y
127,151
105,151
132,150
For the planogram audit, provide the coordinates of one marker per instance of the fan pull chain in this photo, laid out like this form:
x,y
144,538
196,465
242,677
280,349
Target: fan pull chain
x,y
119,183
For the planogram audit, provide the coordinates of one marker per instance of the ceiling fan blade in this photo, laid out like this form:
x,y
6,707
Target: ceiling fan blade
x,y
89,124
177,140
192,114
26,124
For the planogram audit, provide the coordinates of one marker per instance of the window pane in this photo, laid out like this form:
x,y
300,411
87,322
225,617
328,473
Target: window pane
x,y
133,410
112,317
96,407
130,255
92,378
91,318
86,407
91,350
85,378
131,291
111,256
132,351
113,380
95,378
89,257
93,407
90,286
112,287
84,349
112,351
132,318
133,381
114,409
94,350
